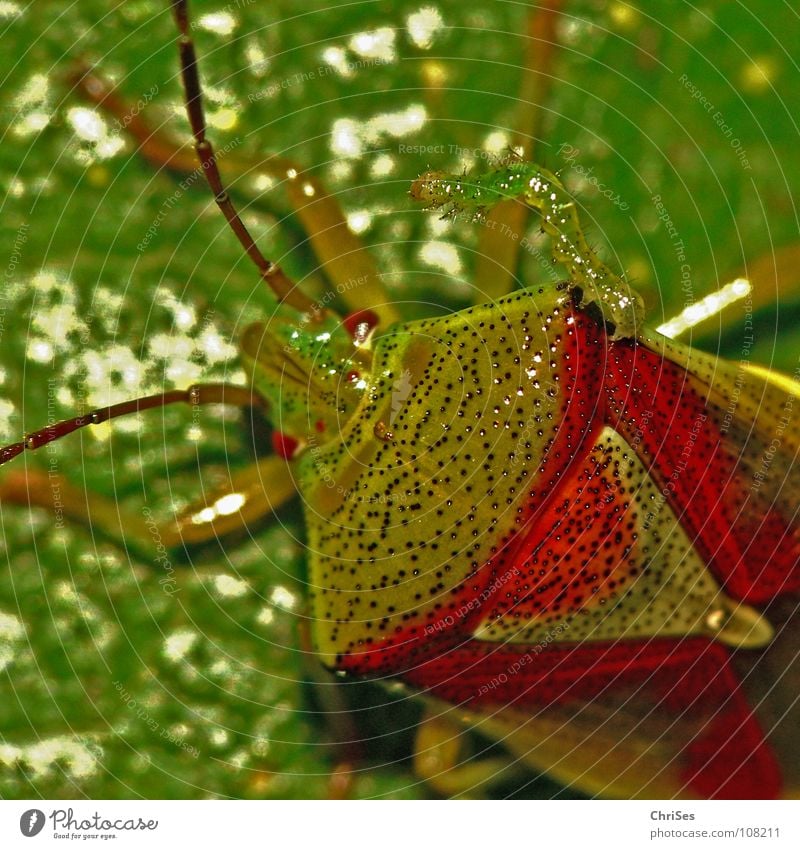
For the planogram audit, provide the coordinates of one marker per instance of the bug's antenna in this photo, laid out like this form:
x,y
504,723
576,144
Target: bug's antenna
x,y
271,273
196,395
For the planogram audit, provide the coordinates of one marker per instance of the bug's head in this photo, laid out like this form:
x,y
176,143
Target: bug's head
x,y
312,371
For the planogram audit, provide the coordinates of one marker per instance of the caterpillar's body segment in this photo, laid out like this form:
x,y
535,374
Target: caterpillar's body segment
x,y
591,281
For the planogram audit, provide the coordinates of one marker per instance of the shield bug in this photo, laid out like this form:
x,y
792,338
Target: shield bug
x,y
493,518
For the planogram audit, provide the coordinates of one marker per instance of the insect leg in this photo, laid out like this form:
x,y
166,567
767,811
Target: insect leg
x,y
500,240
340,252
438,752
53,492
768,279
249,495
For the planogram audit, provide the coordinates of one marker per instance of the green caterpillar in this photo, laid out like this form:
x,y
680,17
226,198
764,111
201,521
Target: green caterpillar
x,y
590,279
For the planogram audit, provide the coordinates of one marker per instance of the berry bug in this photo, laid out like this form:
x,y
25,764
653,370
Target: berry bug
x,y
437,626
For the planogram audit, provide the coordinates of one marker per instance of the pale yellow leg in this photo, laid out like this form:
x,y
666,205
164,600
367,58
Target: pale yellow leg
x,y
499,240
438,750
248,495
340,252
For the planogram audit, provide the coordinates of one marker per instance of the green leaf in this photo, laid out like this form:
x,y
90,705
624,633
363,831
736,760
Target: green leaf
x,y
120,279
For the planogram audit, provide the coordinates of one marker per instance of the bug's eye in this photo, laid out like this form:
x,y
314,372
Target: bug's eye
x,y
360,324
284,445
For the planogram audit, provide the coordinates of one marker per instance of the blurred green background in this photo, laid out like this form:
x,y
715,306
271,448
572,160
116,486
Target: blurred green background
x,y
113,687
